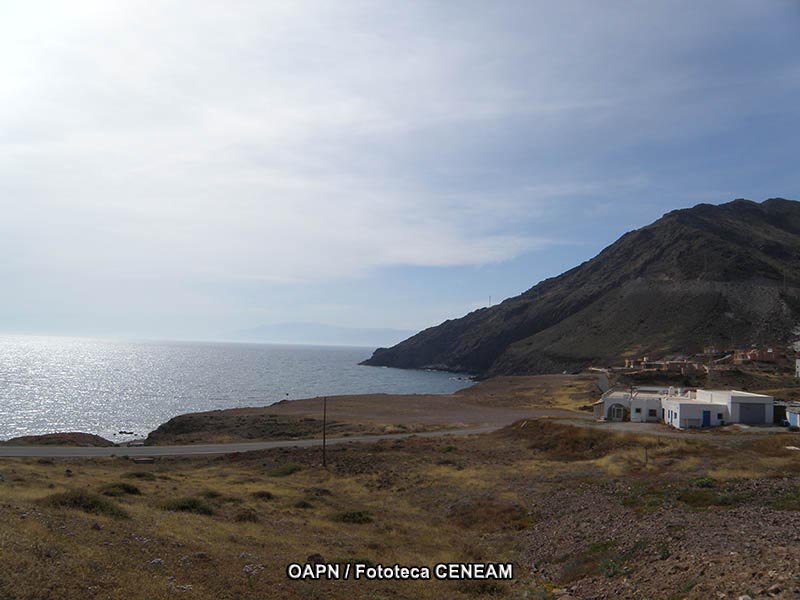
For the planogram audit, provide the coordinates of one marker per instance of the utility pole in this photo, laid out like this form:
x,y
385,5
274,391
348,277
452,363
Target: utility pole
x,y
324,431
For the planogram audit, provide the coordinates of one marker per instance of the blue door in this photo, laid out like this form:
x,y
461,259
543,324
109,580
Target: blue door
x,y
706,418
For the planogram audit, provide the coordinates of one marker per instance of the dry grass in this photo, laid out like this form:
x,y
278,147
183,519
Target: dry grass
x,y
562,442
489,514
228,526
86,502
219,518
776,445
570,392
197,506
120,489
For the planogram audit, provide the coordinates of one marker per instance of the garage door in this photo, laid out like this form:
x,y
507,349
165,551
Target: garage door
x,y
751,413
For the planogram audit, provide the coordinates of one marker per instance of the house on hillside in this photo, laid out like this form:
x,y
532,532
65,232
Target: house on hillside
x,y
685,409
764,355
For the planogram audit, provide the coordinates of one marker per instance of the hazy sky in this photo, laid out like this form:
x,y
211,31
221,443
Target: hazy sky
x,y
174,169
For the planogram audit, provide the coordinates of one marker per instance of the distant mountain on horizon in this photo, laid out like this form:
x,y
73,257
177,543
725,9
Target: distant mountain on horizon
x,y
321,334
726,274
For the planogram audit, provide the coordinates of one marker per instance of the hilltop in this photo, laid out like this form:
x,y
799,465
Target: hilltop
x,y
724,274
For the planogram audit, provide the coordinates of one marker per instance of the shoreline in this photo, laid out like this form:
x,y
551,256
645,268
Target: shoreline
x,y
192,377
494,402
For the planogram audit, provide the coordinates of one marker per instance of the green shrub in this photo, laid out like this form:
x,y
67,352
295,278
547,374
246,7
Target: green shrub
x,y
601,558
705,482
285,470
246,515
610,567
263,495
789,501
144,475
85,501
353,516
644,497
120,489
191,505
589,561
704,498
220,498
482,589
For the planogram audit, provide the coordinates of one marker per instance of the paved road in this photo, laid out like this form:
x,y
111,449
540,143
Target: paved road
x,y
75,452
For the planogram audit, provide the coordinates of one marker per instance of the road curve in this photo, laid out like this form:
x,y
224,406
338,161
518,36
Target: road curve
x,y
198,449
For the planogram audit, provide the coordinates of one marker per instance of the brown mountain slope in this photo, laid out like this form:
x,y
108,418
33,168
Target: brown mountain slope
x,y
727,274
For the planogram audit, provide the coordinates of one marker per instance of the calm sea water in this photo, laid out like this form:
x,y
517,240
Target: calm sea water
x,y
103,387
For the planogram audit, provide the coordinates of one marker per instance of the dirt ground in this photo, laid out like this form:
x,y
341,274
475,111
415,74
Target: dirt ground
x,y
495,402
580,513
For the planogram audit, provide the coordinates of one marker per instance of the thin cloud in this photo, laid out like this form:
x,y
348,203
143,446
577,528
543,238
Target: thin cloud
x,y
303,142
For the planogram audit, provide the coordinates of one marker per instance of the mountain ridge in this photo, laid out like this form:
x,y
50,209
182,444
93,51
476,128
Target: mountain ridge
x,y
725,274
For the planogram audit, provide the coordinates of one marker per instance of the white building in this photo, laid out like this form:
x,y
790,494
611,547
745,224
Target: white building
x,y
743,407
646,408
793,416
685,409
643,405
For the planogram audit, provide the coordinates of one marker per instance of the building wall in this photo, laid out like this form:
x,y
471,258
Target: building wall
x,y
685,415
793,418
641,407
611,398
733,399
737,399
599,411
671,412
714,396
724,407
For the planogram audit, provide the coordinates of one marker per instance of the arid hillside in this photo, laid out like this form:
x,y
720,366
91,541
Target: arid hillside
x,y
727,275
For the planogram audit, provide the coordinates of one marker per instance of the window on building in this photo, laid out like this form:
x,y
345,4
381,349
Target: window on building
x,y
719,415
637,410
652,412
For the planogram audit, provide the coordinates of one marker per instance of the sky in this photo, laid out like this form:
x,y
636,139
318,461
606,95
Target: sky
x,y
177,170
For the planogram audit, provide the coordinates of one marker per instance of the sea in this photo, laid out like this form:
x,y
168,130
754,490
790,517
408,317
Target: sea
x,y
122,389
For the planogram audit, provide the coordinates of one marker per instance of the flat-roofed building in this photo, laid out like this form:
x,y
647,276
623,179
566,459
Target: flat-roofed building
x,y
685,409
